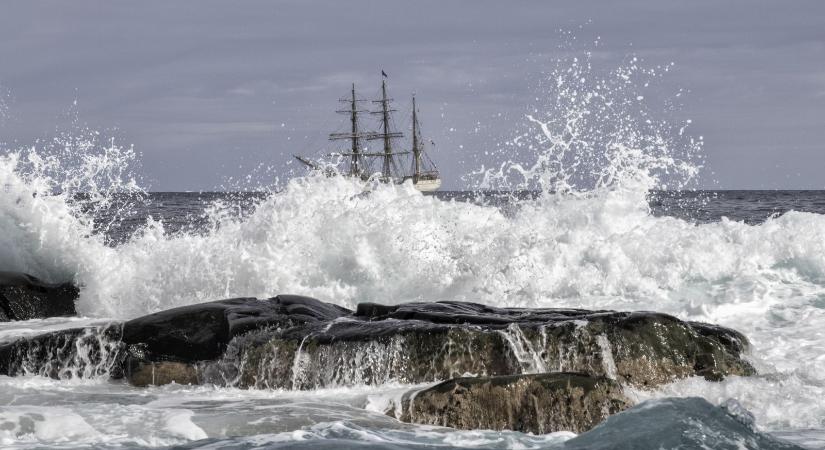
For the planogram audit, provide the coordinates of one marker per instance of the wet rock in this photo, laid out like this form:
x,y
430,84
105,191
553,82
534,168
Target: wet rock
x,y
426,342
676,423
24,297
538,403
292,342
74,353
143,374
202,331
169,345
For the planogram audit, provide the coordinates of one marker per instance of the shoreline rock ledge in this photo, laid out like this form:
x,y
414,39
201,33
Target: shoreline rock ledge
x,y
430,342
536,370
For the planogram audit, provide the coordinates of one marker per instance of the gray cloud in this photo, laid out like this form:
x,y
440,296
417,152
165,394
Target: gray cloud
x,y
201,87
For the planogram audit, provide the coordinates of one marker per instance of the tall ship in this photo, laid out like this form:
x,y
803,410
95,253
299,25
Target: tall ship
x,y
379,154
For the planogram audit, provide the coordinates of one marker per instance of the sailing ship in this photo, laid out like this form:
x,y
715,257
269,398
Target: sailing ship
x,y
397,165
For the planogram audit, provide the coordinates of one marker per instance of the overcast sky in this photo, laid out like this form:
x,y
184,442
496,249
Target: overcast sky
x,y
201,87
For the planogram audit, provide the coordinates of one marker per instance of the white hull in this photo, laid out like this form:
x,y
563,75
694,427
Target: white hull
x,y
428,185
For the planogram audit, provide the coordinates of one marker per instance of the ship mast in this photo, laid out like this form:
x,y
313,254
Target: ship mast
x,y
355,135
385,133
425,174
415,149
354,169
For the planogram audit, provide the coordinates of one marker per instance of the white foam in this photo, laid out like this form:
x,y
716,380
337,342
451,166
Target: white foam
x,y
24,426
179,423
390,399
42,424
609,365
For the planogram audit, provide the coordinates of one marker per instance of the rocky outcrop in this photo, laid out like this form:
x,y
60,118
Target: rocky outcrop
x,y
292,342
24,297
538,403
75,353
521,360
427,342
167,346
202,331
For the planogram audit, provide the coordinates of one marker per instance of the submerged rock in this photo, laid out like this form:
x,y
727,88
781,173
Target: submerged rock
x,y
24,297
538,403
676,423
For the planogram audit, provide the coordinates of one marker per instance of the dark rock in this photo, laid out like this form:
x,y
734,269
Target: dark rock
x,y
166,346
675,423
291,342
75,353
343,353
539,403
467,313
24,297
424,342
202,331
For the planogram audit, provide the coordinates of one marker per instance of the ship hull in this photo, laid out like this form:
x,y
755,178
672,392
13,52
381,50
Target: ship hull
x,y
428,185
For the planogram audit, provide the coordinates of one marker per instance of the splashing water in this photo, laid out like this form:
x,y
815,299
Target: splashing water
x,y
593,130
51,196
597,153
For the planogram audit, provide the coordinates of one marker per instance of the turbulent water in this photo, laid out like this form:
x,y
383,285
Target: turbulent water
x,y
588,218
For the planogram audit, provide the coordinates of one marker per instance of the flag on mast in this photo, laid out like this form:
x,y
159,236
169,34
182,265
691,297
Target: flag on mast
x,y
383,74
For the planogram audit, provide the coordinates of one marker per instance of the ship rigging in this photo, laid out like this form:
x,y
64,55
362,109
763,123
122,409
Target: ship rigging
x,y
422,171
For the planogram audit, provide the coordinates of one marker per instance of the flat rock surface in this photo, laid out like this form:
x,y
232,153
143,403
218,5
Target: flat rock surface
x,y
202,331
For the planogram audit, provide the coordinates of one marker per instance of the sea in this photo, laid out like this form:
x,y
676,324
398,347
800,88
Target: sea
x,y
593,203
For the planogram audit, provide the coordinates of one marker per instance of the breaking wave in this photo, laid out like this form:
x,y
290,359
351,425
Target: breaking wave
x,y
594,152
